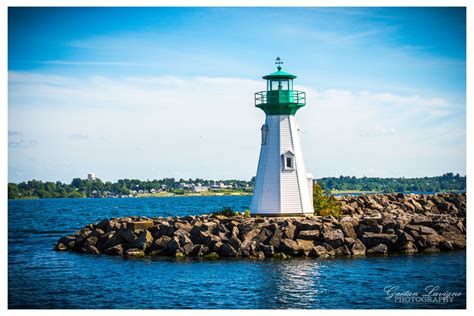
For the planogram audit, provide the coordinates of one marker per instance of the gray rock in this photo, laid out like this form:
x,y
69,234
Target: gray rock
x,y
309,234
289,232
306,245
161,243
318,251
378,249
227,251
329,249
343,251
116,250
263,236
128,235
446,246
260,255
173,245
371,239
290,247
348,229
142,241
199,250
358,248
248,248
310,225
432,249
60,247
407,247
335,238
269,251
275,240
134,252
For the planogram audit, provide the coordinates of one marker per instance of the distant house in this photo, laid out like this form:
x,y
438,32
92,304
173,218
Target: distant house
x,y
91,176
184,185
152,191
200,188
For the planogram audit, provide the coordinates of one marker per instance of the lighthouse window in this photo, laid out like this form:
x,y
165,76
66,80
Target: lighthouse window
x,y
275,84
288,161
284,84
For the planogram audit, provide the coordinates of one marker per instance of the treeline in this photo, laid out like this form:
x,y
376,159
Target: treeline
x,y
123,187
446,182
126,187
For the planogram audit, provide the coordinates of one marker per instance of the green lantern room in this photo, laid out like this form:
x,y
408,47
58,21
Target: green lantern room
x,y
280,98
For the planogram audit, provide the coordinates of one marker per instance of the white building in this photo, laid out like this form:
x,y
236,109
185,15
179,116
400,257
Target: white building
x,y
282,186
91,176
199,188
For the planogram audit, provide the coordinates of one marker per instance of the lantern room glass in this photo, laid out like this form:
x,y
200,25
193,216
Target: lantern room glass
x,y
279,84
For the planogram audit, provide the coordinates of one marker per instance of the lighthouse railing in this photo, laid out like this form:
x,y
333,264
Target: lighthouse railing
x,y
280,96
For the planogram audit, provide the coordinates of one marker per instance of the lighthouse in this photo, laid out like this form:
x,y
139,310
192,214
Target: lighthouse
x,y
282,186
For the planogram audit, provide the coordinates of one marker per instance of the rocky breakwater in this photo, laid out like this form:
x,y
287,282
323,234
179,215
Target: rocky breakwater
x,y
371,224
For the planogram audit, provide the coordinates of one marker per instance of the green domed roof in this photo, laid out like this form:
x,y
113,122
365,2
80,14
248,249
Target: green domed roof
x,y
279,75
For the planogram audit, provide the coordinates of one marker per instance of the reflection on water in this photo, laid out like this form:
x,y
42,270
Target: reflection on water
x,y
294,284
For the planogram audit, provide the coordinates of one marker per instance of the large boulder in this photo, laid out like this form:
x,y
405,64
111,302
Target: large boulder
x,y
160,243
377,249
134,252
269,251
343,251
348,229
290,247
248,233
318,251
276,238
140,225
310,225
309,234
173,246
263,236
363,228
358,248
142,241
116,250
199,250
335,238
306,245
371,240
407,247
248,248
109,239
289,231
227,251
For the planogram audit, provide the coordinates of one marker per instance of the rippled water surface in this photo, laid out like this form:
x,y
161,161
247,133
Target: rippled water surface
x,y
41,278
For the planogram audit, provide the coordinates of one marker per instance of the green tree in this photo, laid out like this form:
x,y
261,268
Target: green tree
x,y
323,204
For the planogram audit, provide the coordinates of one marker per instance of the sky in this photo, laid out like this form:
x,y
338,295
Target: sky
x,y
149,93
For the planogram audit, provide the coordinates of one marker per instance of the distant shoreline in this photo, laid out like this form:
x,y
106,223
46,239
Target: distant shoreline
x,y
145,195
237,193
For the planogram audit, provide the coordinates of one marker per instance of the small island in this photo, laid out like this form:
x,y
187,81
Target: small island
x,y
361,225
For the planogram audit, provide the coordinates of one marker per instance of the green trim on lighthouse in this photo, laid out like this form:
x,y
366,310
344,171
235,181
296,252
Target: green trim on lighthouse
x,y
280,98
279,74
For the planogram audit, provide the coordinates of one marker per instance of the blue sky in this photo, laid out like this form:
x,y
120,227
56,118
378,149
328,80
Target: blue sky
x,y
157,92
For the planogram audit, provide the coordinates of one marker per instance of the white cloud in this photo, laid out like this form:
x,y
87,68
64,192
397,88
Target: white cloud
x,y
152,127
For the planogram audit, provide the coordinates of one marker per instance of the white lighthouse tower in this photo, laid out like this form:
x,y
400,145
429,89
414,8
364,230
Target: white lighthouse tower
x,y
282,186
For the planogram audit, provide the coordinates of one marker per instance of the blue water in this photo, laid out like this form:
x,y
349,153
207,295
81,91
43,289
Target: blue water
x,y
39,277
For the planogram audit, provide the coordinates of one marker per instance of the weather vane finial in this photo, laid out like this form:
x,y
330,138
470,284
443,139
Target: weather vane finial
x,y
278,62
